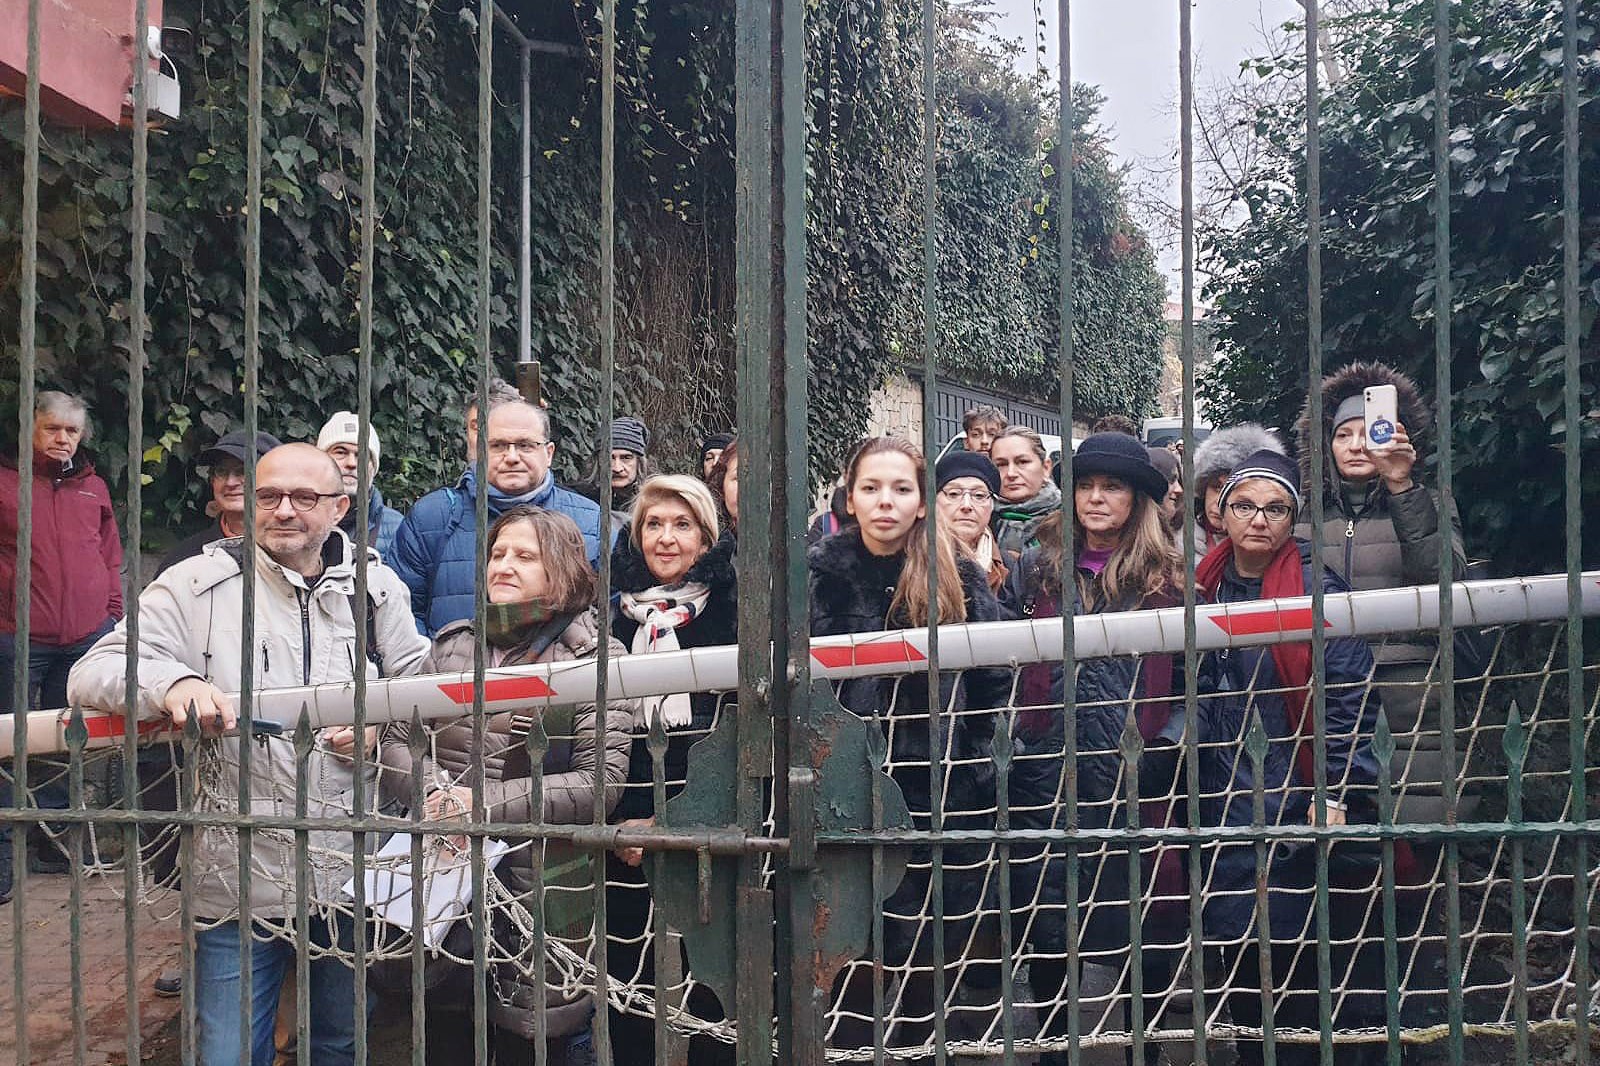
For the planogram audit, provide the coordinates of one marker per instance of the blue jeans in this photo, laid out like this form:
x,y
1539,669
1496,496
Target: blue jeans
x,y
332,993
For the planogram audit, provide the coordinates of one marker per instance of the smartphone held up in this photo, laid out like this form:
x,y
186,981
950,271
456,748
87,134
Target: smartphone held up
x,y
1381,413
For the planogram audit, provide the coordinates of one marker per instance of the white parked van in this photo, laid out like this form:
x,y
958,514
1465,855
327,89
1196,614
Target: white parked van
x,y
1159,432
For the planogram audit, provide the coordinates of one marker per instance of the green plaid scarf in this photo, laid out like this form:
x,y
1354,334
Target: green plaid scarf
x,y
510,625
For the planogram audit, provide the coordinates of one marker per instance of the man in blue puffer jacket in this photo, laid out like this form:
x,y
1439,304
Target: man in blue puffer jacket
x,y
435,550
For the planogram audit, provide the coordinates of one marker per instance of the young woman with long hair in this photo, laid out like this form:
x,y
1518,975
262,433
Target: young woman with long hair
x,y
872,577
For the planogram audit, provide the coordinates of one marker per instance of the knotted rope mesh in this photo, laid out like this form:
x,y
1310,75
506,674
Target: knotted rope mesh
x,y
1120,948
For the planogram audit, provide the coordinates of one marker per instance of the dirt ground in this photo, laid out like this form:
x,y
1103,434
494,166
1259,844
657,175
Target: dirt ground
x,y
99,976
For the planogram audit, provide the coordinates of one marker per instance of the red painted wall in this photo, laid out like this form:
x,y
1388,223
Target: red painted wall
x,y
85,56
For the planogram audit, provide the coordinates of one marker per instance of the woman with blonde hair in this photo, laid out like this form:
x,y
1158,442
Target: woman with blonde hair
x,y
673,587
1123,560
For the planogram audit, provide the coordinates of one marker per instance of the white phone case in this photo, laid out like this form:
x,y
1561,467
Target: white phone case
x,y
1381,415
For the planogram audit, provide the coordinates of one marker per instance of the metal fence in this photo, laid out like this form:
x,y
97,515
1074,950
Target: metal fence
x,y
777,865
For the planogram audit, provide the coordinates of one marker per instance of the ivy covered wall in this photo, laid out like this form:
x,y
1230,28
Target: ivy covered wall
x,y
675,269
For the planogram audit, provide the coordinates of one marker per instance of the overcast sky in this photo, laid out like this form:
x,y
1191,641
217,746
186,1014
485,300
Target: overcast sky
x,y
1129,48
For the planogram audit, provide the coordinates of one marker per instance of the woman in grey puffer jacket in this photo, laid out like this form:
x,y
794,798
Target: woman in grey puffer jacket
x,y
1381,529
541,593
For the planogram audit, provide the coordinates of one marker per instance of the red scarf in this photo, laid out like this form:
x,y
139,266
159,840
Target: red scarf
x,y
1284,577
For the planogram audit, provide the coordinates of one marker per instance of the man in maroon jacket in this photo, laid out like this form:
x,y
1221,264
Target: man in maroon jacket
x,y
74,580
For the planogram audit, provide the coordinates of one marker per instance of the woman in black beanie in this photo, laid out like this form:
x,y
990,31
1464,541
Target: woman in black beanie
x,y
1123,560
968,485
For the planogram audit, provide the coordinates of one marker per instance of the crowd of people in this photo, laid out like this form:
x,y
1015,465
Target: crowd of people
x,y
1011,540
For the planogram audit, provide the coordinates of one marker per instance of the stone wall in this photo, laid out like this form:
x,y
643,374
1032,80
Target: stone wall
x,y
896,408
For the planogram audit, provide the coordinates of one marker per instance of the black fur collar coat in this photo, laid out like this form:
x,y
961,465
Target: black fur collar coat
x,y
851,590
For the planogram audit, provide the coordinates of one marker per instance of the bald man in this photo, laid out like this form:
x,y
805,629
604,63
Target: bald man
x,y
190,661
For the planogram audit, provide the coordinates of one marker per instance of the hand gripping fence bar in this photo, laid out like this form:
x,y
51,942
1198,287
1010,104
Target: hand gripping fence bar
x,y
1502,601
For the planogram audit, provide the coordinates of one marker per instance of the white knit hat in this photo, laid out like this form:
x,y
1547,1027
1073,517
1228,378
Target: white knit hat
x,y
345,428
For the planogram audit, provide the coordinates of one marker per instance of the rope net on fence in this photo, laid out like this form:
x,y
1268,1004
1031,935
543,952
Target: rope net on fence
x,y
1031,927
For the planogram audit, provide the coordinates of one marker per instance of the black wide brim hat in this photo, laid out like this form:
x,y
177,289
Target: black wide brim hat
x,y
1121,456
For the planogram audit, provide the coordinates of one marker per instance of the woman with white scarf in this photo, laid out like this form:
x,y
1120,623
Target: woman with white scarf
x,y
673,587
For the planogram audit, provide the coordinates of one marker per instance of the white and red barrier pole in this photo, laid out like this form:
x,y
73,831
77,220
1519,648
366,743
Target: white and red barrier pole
x,y
1502,601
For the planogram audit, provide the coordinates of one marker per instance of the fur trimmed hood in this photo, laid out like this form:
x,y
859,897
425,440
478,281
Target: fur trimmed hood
x,y
1339,386
1225,449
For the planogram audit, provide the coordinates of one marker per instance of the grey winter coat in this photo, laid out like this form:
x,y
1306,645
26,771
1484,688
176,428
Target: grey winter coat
x,y
305,634
1387,541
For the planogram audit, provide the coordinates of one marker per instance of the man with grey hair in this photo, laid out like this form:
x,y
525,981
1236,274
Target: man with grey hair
x,y
190,660
435,552
74,582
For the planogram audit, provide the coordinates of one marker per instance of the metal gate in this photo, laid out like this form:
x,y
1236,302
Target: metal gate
x,y
778,853
956,400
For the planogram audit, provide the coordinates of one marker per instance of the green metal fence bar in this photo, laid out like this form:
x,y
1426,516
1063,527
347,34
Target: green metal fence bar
x,y
717,842
418,741
188,790
303,740
1132,744
26,355
878,747
1450,774
76,734
1383,749
1255,746
537,743
485,365
1002,754
607,240
1570,323
801,1031
363,531
1515,743
762,505
1319,693
247,628
1191,659
1066,137
930,448
133,525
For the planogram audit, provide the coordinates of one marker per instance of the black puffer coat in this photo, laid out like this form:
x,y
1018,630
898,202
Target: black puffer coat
x,y
1105,689
851,590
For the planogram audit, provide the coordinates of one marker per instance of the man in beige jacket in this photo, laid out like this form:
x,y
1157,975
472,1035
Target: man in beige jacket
x,y
189,661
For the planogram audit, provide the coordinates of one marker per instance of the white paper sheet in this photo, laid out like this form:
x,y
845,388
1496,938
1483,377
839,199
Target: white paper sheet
x,y
447,885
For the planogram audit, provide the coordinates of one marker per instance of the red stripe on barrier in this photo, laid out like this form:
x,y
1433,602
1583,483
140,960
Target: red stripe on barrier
x,y
114,725
1273,621
873,654
510,688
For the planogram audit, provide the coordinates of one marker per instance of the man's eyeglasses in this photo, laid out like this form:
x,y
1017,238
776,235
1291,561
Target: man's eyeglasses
x,y
300,499
1245,511
506,447
979,497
